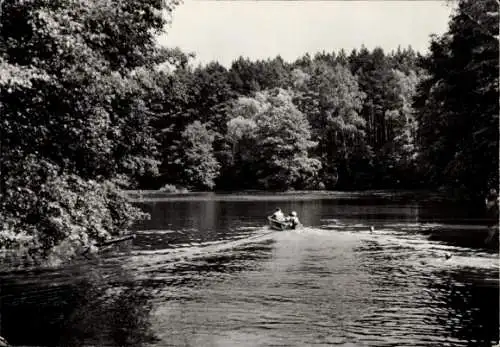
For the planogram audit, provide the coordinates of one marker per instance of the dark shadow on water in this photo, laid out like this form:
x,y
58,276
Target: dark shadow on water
x,y
465,301
86,311
464,238
472,302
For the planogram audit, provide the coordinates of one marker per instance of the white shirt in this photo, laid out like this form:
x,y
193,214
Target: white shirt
x,y
279,216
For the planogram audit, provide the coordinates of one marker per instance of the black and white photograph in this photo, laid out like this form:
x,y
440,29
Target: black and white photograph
x,y
254,173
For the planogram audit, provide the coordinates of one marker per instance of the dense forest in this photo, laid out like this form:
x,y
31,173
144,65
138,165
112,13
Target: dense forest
x,y
91,106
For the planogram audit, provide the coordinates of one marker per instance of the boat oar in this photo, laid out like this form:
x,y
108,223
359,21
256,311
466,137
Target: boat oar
x,y
118,239
109,242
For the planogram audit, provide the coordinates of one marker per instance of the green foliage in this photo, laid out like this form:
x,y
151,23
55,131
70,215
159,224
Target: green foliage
x,y
330,96
270,138
247,77
361,112
212,91
46,213
402,124
358,107
197,162
397,163
458,104
76,81
87,109
375,78
198,95
347,117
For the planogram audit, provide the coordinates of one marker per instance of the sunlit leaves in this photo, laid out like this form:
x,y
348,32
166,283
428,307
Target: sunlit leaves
x,y
197,160
331,98
76,83
272,137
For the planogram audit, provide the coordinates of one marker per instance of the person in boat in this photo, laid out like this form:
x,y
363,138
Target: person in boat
x,y
278,215
293,219
491,202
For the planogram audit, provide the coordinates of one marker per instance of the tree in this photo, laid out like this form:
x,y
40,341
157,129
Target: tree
x,y
397,160
271,140
243,77
331,99
202,94
458,104
374,74
73,102
247,77
197,162
212,93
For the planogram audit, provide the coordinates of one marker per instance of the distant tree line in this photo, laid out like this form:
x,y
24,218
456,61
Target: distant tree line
x,y
332,121
91,105
358,120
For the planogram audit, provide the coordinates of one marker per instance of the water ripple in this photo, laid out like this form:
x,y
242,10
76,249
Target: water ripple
x,y
230,281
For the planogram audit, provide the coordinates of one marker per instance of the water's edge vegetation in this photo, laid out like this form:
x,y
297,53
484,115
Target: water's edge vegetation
x,y
90,110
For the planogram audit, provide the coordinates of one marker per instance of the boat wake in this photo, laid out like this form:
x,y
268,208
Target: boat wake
x,y
416,243
404,241
191,251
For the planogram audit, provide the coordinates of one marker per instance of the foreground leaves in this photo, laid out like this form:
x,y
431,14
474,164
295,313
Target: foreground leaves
x,y
76,83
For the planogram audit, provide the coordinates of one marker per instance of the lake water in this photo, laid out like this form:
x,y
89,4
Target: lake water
x,y
205,270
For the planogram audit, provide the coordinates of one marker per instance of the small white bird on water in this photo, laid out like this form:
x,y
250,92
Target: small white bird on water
x,y
372,229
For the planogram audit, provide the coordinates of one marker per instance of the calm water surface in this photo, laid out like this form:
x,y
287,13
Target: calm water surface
x,y
206,271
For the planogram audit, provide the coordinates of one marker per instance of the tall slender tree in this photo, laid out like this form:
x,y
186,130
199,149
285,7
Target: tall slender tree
x,y
458,104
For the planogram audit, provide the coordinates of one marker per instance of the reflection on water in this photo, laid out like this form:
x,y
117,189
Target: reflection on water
x,y
81,306
206,271
471,310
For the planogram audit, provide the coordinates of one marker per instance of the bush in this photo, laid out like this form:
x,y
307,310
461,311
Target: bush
x,y
170,188
48,215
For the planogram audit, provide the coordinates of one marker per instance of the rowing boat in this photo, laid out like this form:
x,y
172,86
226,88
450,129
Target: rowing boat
x,y
278,225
